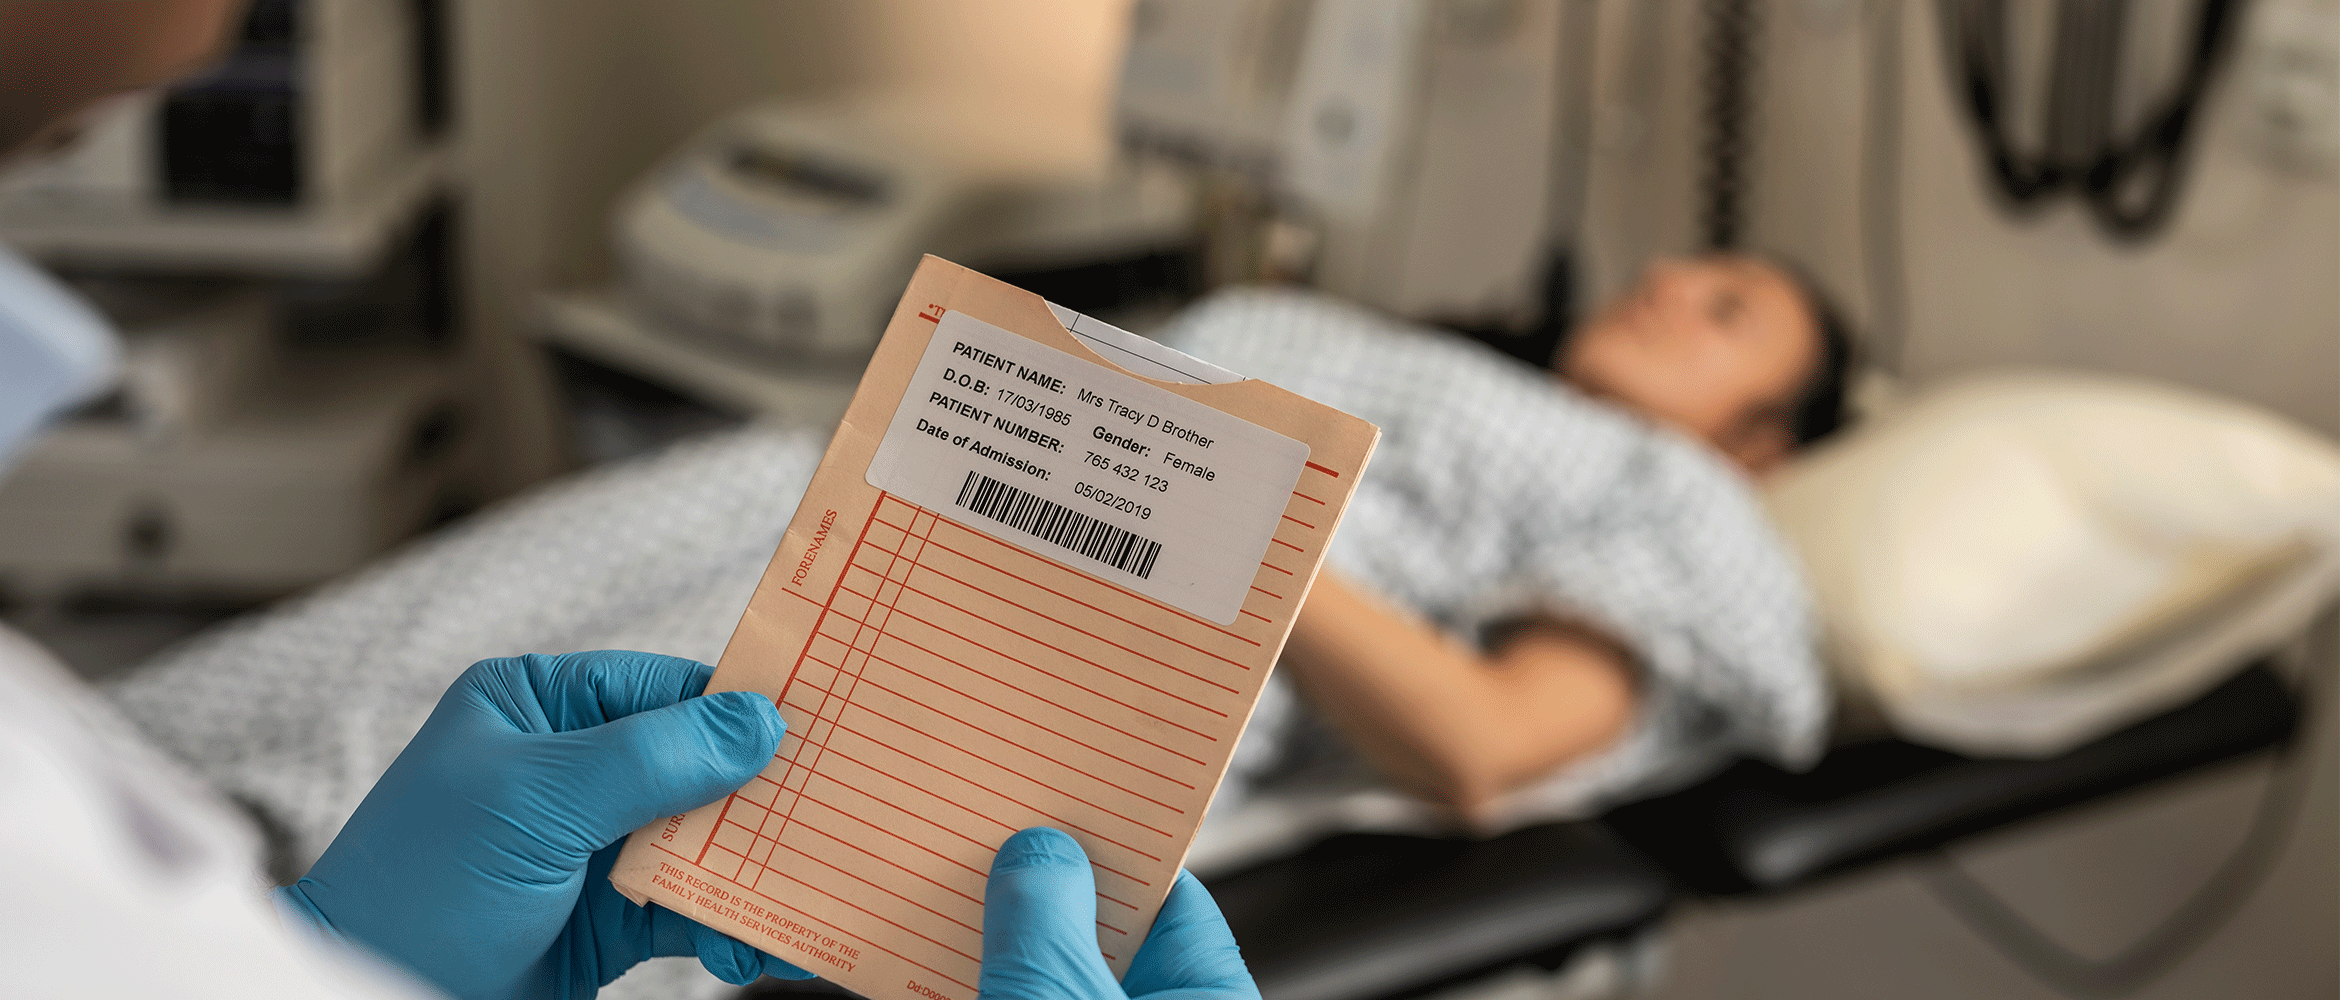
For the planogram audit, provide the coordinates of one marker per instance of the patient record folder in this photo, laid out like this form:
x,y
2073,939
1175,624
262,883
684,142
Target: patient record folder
x,y
1038,580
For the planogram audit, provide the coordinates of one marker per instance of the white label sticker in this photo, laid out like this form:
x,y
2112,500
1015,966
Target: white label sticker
x,y
1085,465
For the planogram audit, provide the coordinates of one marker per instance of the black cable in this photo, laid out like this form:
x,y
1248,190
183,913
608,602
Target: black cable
x,y
2162,144
1731,27
1565,195
1974,32
1881,190
2081,80
1565,199
2082,150
2158,950
1572,98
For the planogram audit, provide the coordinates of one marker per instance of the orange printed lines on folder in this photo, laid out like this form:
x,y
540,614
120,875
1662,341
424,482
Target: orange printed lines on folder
x,y
953,674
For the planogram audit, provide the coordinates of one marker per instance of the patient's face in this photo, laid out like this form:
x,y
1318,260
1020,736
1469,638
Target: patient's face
x,y
1720,347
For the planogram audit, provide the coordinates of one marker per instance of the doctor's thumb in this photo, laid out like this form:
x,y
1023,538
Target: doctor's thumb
x,y
1040,922
670,760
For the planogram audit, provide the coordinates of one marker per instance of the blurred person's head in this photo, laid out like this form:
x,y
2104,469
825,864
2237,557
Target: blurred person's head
x,y
59,57
1732,349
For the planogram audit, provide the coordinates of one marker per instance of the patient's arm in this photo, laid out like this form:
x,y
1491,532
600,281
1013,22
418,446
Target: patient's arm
x,y
1442,719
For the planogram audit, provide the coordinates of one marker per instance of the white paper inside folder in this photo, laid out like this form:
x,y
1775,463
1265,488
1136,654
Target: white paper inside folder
x,y
1140,356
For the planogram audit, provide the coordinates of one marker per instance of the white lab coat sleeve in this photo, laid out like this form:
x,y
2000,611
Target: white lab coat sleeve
x,y
125,878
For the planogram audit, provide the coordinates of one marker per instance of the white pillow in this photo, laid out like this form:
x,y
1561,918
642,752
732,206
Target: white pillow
x,y
2019,562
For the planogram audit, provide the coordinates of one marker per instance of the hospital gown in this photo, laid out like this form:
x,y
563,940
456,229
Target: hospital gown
x,y
1496,492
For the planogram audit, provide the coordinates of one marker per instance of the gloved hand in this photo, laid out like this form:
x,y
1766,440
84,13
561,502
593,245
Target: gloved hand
x,y
481,859
1040,934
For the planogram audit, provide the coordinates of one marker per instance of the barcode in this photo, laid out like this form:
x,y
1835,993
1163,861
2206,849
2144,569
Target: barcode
x,y
1071,529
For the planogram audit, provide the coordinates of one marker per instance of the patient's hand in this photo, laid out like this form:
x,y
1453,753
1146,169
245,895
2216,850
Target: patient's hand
x,y
1444,720
481,859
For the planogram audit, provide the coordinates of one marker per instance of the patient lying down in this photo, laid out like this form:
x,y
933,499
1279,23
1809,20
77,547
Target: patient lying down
x,y
1553,588
1549,593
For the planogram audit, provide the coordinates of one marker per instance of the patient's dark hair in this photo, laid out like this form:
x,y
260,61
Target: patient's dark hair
x,y
1821,410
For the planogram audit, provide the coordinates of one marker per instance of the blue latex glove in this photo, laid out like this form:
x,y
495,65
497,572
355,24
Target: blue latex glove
x,y
1040,934
481,859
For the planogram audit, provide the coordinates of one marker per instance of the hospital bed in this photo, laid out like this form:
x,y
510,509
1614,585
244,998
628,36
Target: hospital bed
x,y
1351,916
1378,917
1360,917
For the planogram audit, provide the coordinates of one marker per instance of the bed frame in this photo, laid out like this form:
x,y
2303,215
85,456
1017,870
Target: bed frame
x,y
1366,917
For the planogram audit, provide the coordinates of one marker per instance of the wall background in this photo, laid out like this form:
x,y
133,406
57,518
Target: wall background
x,y
2241,295
566,102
